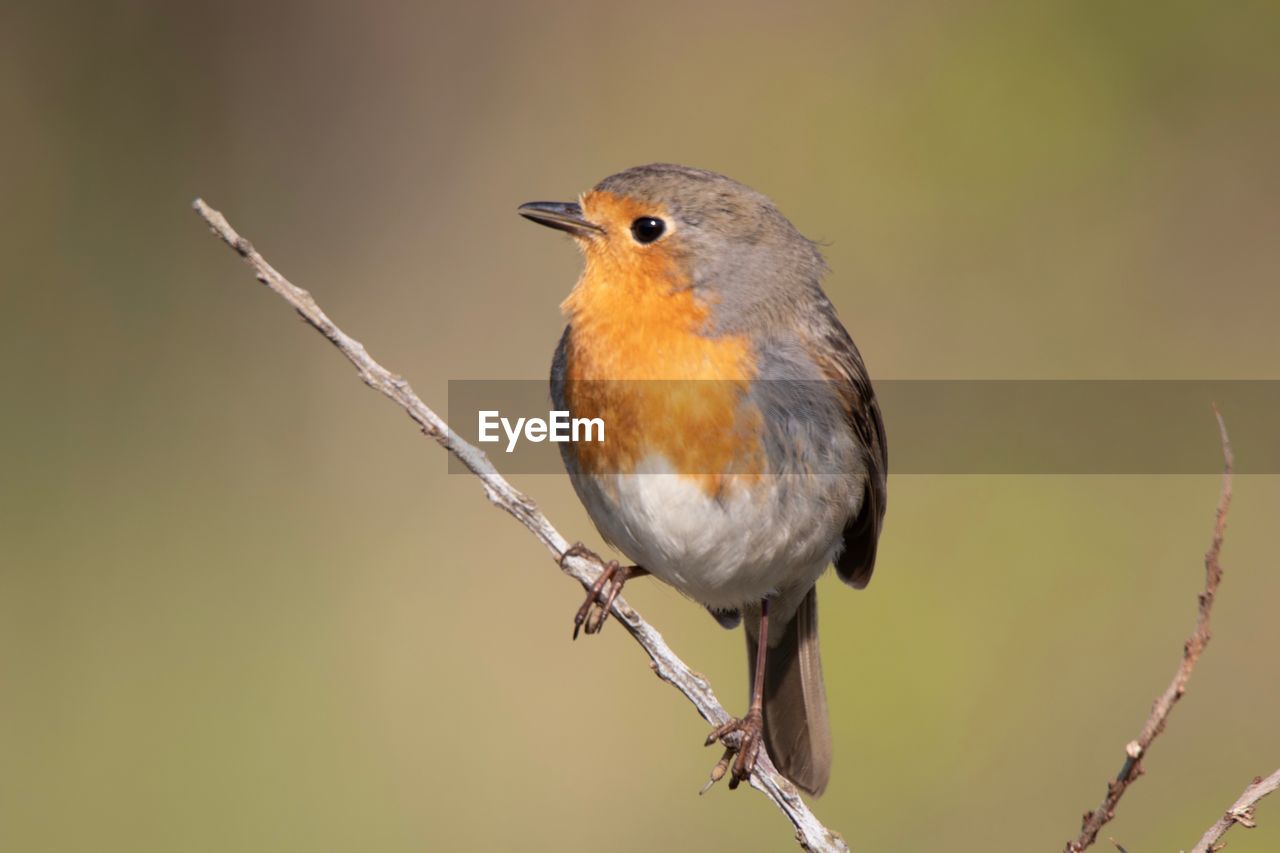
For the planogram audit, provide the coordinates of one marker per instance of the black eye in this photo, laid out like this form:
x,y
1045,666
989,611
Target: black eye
x,y
646,229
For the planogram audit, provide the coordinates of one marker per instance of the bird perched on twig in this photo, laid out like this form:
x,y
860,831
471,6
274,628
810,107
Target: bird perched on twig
x,y
745,450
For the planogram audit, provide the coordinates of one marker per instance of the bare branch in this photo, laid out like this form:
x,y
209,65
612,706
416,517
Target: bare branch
x,y
1241,812
1136,750
810,832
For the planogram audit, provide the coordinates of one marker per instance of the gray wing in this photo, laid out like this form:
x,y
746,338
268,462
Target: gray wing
x,y
840,360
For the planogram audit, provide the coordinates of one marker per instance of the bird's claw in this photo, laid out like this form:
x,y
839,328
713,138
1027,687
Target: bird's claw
x,y
741,738
595,609
599,601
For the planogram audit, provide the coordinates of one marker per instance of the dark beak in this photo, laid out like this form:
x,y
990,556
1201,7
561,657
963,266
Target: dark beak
x,y
562,215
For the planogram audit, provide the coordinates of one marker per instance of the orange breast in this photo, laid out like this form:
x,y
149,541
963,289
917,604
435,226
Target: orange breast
x,y
636,359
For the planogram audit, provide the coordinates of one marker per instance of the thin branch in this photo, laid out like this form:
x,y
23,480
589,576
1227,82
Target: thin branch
x,y
810,832
1241,812
1136,750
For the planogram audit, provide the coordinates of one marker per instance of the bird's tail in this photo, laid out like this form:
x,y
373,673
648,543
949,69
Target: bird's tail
x,y
797,728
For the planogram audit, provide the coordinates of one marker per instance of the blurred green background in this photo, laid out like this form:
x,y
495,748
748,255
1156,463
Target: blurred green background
x,y
242,605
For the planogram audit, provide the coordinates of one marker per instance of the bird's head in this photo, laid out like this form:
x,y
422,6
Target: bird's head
x,y
664,229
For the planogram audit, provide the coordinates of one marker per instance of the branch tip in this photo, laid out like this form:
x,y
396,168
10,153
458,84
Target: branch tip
x,y
1192,648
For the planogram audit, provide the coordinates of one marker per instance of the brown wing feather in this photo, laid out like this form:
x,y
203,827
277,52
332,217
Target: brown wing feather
x,y
842,363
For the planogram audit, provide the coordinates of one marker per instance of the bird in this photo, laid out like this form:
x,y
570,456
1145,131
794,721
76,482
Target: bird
x,y
745,450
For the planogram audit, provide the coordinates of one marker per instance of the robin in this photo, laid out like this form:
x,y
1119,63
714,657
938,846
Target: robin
x,y
744,449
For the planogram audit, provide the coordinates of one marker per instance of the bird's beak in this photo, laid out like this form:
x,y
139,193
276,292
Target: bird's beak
x,y
562,215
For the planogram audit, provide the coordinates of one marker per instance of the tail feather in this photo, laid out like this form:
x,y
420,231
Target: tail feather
x,y
796,725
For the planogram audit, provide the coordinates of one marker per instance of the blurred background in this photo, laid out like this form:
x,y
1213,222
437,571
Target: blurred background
x,y
243,606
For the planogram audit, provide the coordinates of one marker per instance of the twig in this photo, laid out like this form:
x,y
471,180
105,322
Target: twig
x,y
1136,750
810,832
1241,812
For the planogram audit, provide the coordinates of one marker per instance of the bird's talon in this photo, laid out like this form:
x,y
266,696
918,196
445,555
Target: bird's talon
x,y
741,739
717,772
603,593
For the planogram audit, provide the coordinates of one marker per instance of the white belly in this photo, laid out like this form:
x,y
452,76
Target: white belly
x,y
777,533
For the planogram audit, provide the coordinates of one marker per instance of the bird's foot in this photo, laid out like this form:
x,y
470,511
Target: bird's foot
x,y
741,738
595,609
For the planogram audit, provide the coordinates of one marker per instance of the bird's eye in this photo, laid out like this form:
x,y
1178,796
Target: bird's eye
x,y
646,229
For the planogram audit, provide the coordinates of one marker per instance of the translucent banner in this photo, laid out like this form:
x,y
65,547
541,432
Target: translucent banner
x,y
932,426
